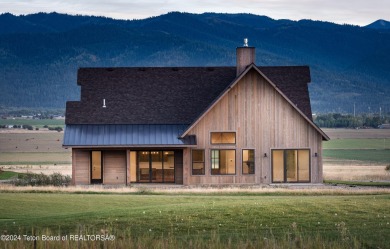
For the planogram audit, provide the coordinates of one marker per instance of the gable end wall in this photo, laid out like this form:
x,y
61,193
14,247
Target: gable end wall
x,y
263,120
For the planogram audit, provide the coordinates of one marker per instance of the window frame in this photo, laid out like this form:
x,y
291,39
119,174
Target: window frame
x,y
254,162
192,162
219,161
221,132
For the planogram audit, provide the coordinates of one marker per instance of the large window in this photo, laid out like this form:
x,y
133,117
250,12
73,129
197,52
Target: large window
x,y
223,138
248,161
153,166
223,162
198,162
291,165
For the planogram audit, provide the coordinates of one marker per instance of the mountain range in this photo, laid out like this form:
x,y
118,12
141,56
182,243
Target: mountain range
x,y
40,53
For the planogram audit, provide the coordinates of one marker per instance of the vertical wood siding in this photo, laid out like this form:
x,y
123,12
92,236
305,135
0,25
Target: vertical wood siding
x,y
263,120
114,167
81,166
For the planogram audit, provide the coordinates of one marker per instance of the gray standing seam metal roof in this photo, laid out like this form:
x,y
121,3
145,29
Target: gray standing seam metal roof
x,y
125,135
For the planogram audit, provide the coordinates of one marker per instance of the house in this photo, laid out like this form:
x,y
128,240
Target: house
x,y
194,125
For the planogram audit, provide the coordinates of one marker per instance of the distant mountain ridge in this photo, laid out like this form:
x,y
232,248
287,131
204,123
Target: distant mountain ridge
x,y
40,53
379,24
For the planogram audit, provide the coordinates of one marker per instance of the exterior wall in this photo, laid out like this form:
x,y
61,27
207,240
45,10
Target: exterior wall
x,y
114,167
81,167
263,120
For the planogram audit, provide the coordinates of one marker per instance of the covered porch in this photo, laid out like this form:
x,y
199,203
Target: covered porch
x,y
127,154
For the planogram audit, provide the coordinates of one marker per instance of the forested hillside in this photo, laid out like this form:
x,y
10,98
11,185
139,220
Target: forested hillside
x,y
40,53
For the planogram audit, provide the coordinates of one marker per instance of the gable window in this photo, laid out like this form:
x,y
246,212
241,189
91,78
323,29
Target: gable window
x,y
198,162
223,137
223,162
248,161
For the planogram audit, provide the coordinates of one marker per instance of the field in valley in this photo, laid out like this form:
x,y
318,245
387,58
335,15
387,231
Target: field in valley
x,y
357,155
34,151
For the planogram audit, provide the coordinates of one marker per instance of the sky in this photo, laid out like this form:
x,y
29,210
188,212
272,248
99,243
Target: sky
x,y
356,12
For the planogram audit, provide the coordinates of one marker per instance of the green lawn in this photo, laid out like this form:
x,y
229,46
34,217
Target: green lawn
x,y
359,143
5,175
378,156
369,150
363,220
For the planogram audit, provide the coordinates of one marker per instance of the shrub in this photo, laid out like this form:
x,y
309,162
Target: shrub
x,y
58,128
27,127
37,129
30,179
45,126
388,168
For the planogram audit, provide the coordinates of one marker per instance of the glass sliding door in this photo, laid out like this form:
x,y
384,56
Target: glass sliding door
x,y
291,165
169,166
277,166
143,166
156,166
304,165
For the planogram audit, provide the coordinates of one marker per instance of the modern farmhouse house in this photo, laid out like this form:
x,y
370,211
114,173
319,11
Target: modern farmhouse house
x,y
194,125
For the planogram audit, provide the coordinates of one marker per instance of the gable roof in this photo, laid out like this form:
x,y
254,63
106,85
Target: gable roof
x,y
294,94
163,95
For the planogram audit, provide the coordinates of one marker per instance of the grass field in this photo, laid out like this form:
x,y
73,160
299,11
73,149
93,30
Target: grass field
x,y
33,148
5,175
224,219
371,145
34,122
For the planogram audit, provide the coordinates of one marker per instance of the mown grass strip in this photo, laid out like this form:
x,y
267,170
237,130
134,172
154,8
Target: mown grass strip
x,y
372,155
356,183
6,175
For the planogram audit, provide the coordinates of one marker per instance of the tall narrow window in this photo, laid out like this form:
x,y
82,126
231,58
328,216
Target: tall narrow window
x,y
214,159
198,162
248,161
223,137
223,162
96,167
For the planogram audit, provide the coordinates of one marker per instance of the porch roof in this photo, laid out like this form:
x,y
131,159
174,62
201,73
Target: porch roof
x,y
99,135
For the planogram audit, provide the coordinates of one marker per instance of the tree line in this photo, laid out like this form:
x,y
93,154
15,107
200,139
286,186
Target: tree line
x,y
337,120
